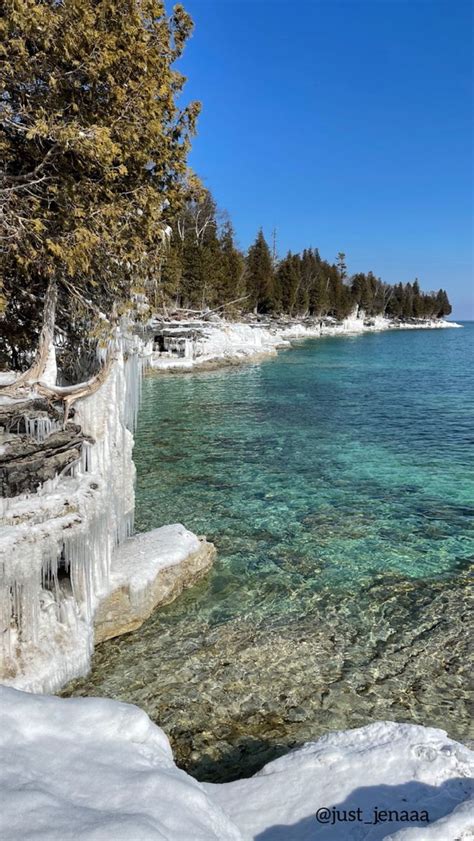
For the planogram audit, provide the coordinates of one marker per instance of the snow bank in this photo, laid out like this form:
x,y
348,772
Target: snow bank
x,y
397,768
96,770
100,770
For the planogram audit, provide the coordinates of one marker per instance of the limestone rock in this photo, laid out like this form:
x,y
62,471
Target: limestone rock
x,y
150,570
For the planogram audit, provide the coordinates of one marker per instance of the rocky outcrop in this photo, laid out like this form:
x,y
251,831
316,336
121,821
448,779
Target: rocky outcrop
x,y
148,571
67,568
27,463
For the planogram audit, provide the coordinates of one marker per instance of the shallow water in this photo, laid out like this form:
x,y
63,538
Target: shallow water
x,y
337,483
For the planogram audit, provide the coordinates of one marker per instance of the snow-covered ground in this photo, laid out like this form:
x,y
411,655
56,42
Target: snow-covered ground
x,y
217,342
99,770
315,792
139,560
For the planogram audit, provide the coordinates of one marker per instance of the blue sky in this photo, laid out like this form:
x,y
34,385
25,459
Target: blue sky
x,y
344,124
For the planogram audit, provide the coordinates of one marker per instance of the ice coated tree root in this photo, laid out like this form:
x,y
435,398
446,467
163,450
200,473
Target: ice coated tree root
x,y
33,383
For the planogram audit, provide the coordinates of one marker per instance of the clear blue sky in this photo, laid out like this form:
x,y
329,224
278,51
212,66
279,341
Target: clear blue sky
x,y
346,126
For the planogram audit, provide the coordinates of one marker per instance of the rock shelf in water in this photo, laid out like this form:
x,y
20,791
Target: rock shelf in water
x,y
148,571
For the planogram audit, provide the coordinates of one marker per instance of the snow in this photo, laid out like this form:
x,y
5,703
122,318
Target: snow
x,y
221,341
97,770
100,770
139,559
7,377
383,766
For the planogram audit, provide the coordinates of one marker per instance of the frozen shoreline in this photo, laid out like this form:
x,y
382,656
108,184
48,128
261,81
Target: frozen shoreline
x,y
64,548
186,346
100,770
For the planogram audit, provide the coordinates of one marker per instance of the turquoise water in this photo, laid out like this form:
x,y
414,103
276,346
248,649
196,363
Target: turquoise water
x,y
337,484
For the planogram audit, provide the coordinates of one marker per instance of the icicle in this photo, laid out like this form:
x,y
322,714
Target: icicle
x,y
56,545
86,457
40,428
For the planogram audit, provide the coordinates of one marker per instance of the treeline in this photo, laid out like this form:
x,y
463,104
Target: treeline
x,y
202,267
94,174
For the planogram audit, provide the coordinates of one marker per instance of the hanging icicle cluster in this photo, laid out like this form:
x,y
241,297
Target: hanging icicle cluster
x,y
56,545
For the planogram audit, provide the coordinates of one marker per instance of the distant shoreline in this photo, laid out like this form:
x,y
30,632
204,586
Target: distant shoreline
x,y
183,346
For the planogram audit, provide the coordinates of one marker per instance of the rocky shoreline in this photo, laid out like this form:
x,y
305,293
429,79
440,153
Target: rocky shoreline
x,y
68,494
206,344
73,576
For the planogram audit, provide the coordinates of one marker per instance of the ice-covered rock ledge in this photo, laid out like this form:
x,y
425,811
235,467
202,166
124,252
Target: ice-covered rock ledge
x,y
185,346
150,570
64,554
100,770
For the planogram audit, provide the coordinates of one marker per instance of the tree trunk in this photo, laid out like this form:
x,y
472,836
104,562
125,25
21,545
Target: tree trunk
x,y
40,377
44,361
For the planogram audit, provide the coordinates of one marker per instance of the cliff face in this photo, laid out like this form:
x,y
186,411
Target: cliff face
x,y
59,540
56,544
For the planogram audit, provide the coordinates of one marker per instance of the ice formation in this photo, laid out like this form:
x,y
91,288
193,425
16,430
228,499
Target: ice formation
x,y
184,346
56,545
100,770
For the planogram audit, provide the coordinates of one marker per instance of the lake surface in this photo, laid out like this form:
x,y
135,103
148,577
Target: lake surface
x,y
337,484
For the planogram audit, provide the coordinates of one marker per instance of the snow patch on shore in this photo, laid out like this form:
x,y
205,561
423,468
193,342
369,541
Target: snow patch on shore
x,y
100,770
383,767
97,770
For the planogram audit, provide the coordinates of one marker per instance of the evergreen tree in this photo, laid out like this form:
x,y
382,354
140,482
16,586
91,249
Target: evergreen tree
x,y
341,265
260,279
319,293
232,271
417,300
92,143
288,283
443,307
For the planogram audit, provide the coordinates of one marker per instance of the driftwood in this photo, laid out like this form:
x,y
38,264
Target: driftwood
x,y
69,394
201,314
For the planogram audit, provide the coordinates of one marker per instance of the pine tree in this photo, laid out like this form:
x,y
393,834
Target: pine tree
x,y
260,278
443,306
417,300
288,283
232,287
341,265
